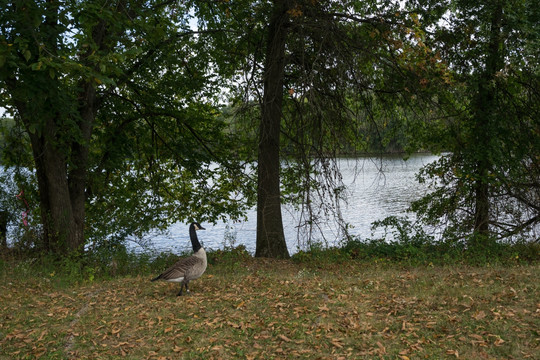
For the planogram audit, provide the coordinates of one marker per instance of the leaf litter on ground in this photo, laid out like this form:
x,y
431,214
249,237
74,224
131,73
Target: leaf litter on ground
x,y
280,309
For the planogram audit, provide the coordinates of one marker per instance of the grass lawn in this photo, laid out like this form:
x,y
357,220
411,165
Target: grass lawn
x,y
270,309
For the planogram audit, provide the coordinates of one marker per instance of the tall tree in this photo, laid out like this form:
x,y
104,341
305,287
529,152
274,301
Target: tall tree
x,y
486,187
58,121
318,71
270,235
483,112
114,97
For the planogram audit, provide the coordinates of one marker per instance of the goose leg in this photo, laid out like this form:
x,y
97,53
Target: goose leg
x,y
181,288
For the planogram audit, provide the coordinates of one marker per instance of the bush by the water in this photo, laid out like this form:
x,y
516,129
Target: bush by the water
x,y
401,242
406,242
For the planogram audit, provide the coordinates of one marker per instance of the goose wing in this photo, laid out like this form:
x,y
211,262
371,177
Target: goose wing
x,y
180,268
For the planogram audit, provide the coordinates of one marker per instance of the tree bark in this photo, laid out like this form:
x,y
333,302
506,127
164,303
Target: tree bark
x,y
59,126
3,229
61,194
270,234
484,114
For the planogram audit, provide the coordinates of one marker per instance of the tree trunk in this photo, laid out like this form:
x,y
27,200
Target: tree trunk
x,y
270,235
3,229
61,194
59,125
484,119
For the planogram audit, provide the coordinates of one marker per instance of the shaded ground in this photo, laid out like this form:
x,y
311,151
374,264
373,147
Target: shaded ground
x,y
278,309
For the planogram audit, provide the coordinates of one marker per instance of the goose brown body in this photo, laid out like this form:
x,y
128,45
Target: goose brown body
x,y
190,268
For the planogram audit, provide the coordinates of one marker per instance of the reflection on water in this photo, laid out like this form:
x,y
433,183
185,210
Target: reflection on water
x,y
376,188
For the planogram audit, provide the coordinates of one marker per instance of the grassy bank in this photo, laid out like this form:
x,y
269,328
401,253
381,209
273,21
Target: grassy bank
x,y
245,308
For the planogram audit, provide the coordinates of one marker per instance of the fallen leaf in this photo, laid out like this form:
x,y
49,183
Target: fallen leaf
x,y
284,338
382,349
234,325
43,335
452,352
479,315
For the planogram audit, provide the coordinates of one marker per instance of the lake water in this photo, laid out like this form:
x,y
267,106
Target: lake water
x,y
376,188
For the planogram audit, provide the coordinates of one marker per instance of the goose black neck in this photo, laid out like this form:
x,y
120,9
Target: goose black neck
x,y
194,239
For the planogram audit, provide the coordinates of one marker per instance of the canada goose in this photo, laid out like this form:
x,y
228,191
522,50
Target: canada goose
x,y
190,268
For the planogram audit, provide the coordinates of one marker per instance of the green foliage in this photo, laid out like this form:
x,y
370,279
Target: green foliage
x,y
359,76
130,85
407,243
116,261
110,262
318,254
401,241
232,257
487,183
351,83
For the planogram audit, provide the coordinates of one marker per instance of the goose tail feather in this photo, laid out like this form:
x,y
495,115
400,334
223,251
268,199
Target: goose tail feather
x,y
156,278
